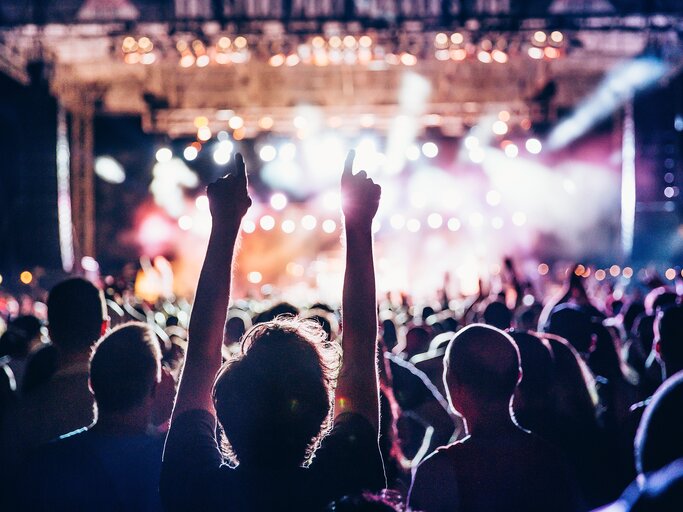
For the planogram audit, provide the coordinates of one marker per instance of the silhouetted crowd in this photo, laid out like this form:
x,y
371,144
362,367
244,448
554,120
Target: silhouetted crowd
x,y
504,401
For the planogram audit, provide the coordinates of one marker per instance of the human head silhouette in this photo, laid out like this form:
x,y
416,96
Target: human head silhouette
x,y
481,369
76,314
125,367
274,399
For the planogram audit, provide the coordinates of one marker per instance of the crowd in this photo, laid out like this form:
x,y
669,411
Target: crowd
x,y
571,402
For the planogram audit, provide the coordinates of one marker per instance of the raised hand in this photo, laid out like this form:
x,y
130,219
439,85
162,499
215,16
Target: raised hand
x,y
228,197
360,195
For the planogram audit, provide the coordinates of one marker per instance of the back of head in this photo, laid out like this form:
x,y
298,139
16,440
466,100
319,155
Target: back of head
x,y
498,315
417,340
484,361
574,386
669,326
125,366
16,340
573,324
659,440
532,398
75,312
274,400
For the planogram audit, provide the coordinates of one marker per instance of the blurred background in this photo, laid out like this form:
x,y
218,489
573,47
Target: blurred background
x,y
545,131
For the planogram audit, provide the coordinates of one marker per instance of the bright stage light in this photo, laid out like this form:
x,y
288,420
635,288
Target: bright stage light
x,y
287,151
476,220
168,180
519,218
202,203
435,220
278,201
454,224
164,155
471,142
430,150
497,222
397,221
309,222
533,146
413,225
535,53
267,153
109,170
540,37
288,226
368,157
493,197
499,127
248,226
376,225
204,133
236,122
26,277
185,222
413,152
484,57
254,277
267,222
222,153
556,36
477,155
331,200
617,88
190,153
511,150
329,226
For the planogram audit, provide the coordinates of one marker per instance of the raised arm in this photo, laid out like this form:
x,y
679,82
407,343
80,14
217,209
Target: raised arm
x,y
228,202
357,389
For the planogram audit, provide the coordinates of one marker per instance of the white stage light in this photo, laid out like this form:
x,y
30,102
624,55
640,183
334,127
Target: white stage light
x,y
413,152
267,222
222,153
248,226
329,226
288,226
278,201
268,153
309,222
533,146
164,155
413,225
454,224
397,221
109,170
202,203
435,220
288,151
430,150
190,153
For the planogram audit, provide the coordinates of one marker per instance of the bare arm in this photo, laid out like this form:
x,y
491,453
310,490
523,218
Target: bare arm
x,y
229,201
358,389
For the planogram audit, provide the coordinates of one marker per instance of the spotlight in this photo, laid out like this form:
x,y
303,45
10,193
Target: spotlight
x,y
190,153
164,155
267,222
278,201
430,150
268,153
533,146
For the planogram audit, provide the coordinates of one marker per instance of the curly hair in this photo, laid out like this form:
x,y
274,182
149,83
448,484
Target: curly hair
x,y
274,399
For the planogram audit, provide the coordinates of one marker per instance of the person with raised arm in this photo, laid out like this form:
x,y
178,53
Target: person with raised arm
x,y
274,400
